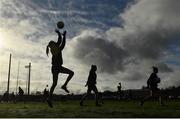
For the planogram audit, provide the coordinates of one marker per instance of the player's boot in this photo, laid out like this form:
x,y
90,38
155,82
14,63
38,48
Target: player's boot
x,y
81,103
49,103
65,88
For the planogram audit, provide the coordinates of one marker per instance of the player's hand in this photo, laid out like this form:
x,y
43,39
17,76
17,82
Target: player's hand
x,y
64,33
57,31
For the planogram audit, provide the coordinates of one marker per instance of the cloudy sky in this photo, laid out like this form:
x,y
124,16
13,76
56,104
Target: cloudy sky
x,y
124,38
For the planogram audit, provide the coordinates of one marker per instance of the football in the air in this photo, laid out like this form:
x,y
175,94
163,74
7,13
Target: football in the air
x,y
60,24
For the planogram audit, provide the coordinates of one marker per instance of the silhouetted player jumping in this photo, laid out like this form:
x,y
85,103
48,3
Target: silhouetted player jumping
x,y
91,83
152,84
57,61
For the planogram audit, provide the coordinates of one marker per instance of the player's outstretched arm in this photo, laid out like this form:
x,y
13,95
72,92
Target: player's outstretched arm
x,y
59,37
63,41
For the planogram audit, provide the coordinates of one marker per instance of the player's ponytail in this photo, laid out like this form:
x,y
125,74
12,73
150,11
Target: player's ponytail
x,y
50,46
47,50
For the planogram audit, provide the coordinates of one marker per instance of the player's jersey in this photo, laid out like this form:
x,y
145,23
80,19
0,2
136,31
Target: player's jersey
x,y
57,59
119,88
92,78
153,80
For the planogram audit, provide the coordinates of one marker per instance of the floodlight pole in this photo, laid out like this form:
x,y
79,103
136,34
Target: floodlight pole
x,y
17,83
29,76
9,72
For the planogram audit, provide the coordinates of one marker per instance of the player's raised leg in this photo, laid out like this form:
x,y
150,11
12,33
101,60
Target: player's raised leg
x,y
66,71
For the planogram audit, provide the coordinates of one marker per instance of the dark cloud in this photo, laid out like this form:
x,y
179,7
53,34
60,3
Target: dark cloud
x,y
133,76
106,55
146,46
164,68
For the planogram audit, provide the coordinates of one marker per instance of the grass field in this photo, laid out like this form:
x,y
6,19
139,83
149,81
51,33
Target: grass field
x,y
108,109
